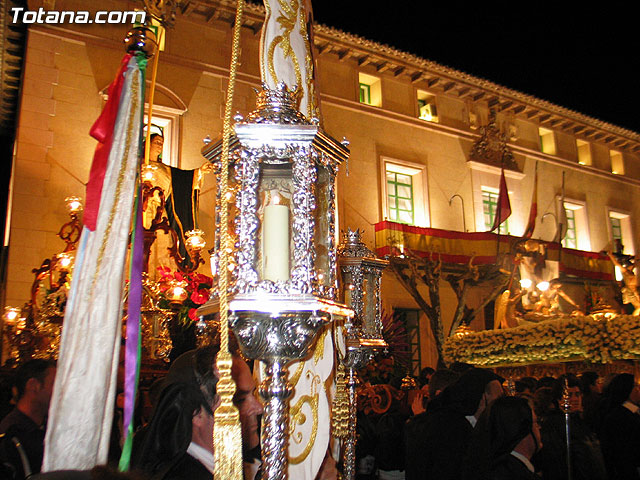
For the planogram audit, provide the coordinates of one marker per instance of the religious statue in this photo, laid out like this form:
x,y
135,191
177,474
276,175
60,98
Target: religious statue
x,y
630,292
171,201
505,315
549,303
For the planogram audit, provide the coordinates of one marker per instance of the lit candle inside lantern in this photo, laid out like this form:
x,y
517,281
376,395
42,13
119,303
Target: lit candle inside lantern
x,y
275,242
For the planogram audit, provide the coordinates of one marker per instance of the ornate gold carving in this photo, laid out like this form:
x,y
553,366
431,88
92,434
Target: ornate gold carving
x,y
296,376
312,106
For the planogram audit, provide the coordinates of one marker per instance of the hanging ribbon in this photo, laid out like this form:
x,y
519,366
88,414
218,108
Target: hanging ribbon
x,y
134,306
132,345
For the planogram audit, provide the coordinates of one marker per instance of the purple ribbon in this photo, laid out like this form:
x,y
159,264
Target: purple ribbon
x,y
132,345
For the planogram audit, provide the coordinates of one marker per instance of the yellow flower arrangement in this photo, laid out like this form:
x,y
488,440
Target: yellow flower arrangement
x,y
598,338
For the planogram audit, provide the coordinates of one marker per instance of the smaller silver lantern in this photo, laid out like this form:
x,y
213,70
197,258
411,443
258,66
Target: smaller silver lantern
x,y
361,274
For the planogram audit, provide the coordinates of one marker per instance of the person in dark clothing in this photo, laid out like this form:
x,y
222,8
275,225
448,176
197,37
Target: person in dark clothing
x,y
22,430
436,441
619,429
526,385
425,376
591,386
177,443
586,457
513,438
389,450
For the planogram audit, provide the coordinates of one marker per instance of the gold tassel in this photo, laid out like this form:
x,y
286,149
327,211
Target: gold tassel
x,y
340,409
227,434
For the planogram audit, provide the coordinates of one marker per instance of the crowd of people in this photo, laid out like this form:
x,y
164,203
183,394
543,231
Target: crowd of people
x,y
464,423
470,424
175,444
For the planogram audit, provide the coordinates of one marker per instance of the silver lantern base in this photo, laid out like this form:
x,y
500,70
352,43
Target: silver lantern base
x,y
278,330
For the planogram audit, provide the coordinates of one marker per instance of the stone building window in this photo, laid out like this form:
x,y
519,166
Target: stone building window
x,y
400,197
584,152
570,239
547,141
620,227
577,234
370,90
617,162
427,107
405,192
621,234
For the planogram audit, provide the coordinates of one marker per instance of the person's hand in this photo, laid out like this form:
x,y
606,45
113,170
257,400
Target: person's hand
x,y
417,405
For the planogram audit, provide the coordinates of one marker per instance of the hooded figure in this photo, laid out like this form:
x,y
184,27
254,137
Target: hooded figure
x,y
437,440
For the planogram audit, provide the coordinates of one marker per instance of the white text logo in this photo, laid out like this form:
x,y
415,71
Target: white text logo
x,y
56,17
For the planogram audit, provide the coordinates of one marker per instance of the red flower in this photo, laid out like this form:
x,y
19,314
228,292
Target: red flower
x,y
192,314
165,273
198,279
200,296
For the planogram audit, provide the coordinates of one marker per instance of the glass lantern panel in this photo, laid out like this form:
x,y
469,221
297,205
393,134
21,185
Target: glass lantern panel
x,y
275,245
347,288
366,300
323,228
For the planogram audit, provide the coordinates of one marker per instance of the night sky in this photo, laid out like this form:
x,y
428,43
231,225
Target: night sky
x,y
586,60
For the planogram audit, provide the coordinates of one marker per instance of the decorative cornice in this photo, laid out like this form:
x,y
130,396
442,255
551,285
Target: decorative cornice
x,y
441,76
432,76
12,41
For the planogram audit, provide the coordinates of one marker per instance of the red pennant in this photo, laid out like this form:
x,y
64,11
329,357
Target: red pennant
x,y
503,209
102,131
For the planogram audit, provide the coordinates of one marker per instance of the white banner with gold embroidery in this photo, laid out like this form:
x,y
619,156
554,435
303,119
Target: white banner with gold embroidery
x,y
81,411
286,50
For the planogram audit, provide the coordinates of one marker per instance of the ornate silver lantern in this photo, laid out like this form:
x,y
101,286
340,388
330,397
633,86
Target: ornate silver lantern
x,y
361,274
284,283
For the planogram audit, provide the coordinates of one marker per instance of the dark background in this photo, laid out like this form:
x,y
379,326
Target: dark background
x,y
584,57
